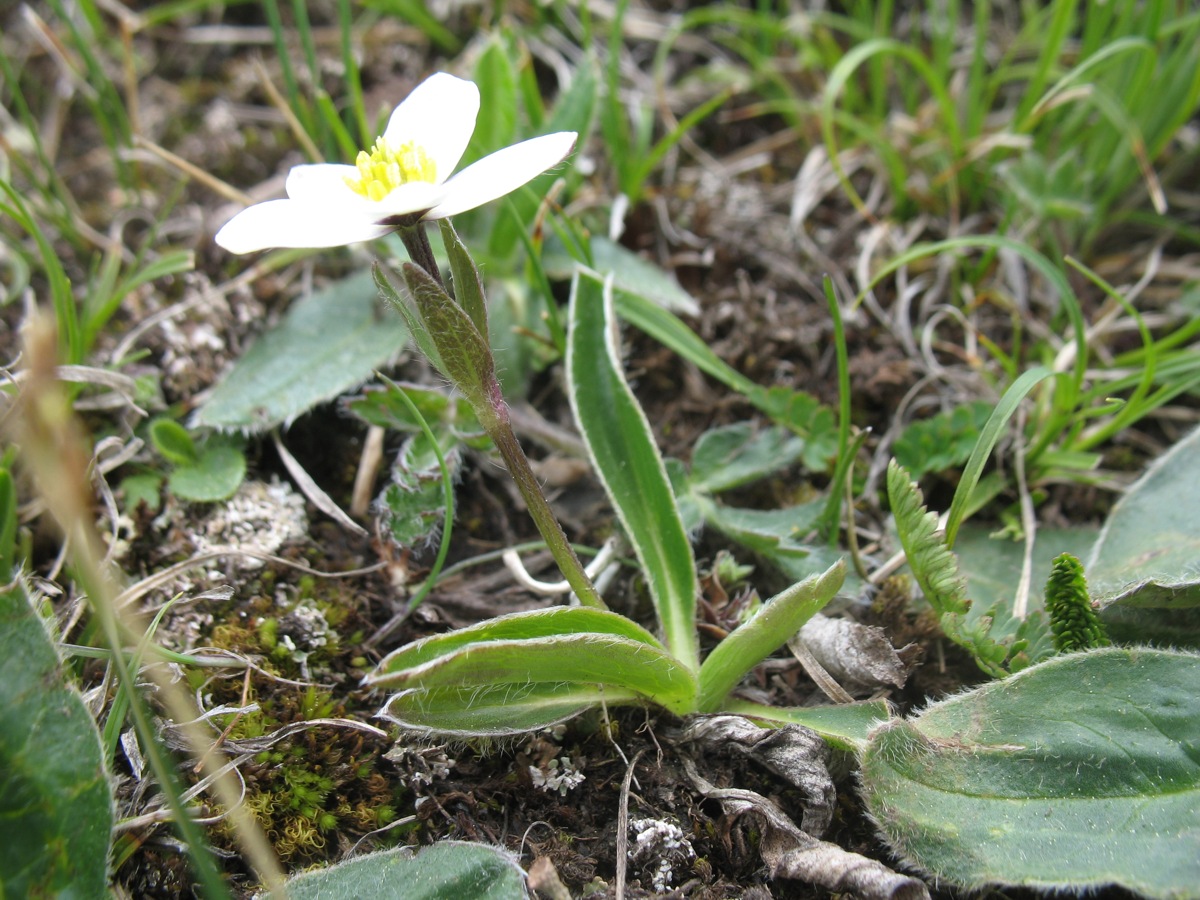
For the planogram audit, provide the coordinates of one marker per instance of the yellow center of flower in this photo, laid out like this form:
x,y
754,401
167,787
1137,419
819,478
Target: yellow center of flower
x,y
386,168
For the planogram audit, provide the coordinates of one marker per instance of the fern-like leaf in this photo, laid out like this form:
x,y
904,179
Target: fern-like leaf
x,y
935,568
933,564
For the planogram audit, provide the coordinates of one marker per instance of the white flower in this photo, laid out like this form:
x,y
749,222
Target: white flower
x,y
405,176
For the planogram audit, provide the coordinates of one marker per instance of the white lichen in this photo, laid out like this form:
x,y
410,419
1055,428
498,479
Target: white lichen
x,y
664,840
557,775
259,518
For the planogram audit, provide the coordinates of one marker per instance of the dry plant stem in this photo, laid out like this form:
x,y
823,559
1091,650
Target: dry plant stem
x,y
623,828
494,417
54,449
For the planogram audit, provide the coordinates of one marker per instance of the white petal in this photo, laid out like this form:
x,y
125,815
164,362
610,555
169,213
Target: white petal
x,y
321,183
439,115
502,172
289,223
416,196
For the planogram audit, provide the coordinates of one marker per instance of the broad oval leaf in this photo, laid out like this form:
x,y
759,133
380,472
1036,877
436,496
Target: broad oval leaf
x,y
1079,772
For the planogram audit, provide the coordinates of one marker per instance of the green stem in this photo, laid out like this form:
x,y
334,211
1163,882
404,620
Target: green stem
x,y
499,428
492,411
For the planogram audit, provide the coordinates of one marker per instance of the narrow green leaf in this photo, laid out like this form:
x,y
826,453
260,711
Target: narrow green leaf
x,y
420,334
498,710
992,430
1071,775
496,125
56,810
769,629
468,286
573,111
558,620
846,726
447,870
622,448
8,526
572,658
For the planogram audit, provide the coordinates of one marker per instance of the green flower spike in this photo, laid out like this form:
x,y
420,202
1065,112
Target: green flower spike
x,y
1073,620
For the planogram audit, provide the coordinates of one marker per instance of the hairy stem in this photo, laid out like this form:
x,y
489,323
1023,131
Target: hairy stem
x,y
495,420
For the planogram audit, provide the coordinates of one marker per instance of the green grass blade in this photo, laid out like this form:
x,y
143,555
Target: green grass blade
x,y
983,447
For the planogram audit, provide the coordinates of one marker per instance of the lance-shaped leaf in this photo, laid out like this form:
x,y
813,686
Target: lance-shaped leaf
x,y
468,286
588,658
621,445
1079,772
465,356
498,710
538,623
768,630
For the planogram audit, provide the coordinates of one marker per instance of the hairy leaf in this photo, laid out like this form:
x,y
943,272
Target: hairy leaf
x,y
1076,773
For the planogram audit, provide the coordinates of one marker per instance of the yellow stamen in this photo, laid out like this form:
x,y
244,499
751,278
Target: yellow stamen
x,y
385,168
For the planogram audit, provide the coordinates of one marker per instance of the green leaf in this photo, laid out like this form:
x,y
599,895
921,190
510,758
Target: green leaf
x,y
1074,774
734,455
536,623
56,811
1145,566
634,275
498,710
621,445
768,630
595,659
382,405
573,111
328,343
142,488
173,441
496,125
216,475
8,525
468,286
800,412
942,441
463,354
447,870
845,726
935,568
414,503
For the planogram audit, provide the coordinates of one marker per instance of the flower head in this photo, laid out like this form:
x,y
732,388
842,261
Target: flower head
x,y
405,177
